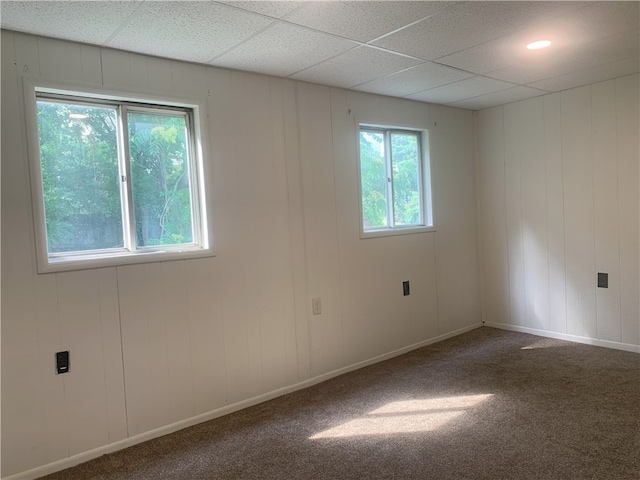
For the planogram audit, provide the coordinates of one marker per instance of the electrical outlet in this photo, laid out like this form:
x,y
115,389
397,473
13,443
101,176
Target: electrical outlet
x,y
603,280
405,288
62,362
316,305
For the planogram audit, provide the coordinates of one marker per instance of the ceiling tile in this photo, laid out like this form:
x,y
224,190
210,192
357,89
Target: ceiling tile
x,y
355,67
507,51
284,49
268,8
88,22
468,88
191,31
470,24
416,79
499,98
602,51
362,21
599,73
602,19
566,34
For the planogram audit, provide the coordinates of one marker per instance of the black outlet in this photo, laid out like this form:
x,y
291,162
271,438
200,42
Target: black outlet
x,y
405,289
62,362
603,280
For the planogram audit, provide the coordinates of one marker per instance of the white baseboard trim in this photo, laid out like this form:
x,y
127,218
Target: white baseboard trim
x,y
627,347
219,412
380,358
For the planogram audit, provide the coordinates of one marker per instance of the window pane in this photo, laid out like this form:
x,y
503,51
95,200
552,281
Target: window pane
x,y
160,178
373,179
78,154
405,158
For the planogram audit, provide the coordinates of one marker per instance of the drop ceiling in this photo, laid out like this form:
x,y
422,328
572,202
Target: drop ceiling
x,y
465,54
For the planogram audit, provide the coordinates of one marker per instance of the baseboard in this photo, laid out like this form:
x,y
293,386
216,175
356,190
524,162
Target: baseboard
x,y
380,358
219,412
565,336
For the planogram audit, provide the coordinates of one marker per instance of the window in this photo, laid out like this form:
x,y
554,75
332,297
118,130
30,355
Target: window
x,y
115,181
394,181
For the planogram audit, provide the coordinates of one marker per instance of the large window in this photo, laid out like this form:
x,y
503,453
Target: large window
x,y
394,181
115,180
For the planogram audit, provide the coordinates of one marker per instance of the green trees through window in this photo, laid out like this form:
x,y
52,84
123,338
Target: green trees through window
x,y
391,182
160,176
85,183
80,179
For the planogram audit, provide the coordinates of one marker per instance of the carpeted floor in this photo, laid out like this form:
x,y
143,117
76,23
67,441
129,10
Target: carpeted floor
x,y
489,404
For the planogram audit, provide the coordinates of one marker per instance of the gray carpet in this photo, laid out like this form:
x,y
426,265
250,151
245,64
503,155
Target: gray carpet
x,y
488,404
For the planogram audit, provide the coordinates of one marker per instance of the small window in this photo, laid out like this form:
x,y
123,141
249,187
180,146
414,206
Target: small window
x,y
394,181
116,179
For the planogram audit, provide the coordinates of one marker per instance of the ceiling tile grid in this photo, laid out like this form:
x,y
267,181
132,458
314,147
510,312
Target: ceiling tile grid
x,y
416,79
88,22
275,9
283,49
599,73
363,21
192,31
509,95
595,53
467,25
571,36
356,66
469,54
467,88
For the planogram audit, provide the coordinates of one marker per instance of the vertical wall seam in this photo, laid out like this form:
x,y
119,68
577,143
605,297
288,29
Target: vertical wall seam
x,y
615,108
435,271
104,363
124,378
237,175
546,211
593,206
335,207
304,224
564,217
189,316
506,219
64,383
291,249
479,210
524,263
164,334
275,139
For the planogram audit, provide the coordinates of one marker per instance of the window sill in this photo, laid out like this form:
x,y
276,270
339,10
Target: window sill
x,y
391,232
70,263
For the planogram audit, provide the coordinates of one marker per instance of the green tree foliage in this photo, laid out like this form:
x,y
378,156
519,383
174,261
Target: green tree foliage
x,y
374,179
159,170
405,178
81,178
406,193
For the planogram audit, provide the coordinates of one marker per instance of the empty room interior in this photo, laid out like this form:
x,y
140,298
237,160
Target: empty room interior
x,y
320,240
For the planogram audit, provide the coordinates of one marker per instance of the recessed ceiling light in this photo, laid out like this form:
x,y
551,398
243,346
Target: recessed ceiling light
x,y
77,115
538,44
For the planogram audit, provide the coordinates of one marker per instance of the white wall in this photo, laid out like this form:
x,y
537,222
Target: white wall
x,y
159,343
558,202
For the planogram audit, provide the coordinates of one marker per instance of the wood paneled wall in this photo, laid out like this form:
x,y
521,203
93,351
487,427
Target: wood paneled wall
x,y
158,343
558,203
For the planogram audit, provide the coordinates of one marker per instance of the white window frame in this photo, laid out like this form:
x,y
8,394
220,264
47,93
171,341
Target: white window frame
x,y
426,223
201,246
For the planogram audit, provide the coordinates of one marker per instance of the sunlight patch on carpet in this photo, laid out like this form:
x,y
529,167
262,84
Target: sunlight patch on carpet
x,y
543,343
408,416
